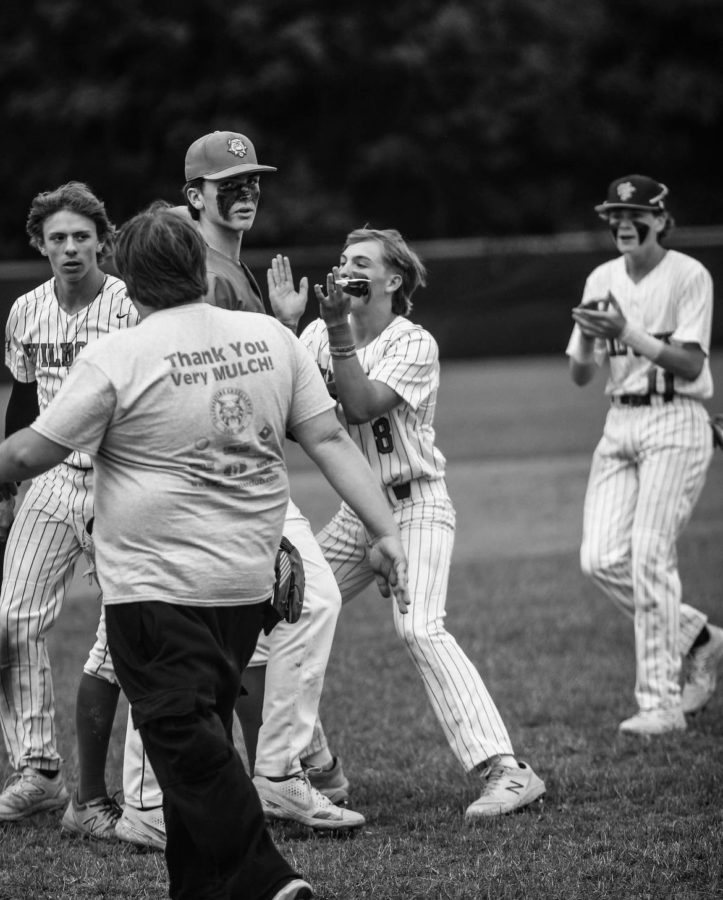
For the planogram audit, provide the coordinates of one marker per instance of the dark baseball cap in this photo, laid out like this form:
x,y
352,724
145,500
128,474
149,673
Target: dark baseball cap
x,y
634,192
220,155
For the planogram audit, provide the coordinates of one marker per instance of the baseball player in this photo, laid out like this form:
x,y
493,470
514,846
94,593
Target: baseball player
x,y
46,330
222,190
648,314
384,370
185,418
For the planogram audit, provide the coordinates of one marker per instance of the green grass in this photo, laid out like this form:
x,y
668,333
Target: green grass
x,y
622,818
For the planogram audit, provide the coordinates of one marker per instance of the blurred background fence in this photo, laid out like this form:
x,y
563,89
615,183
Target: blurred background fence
x,y
486,297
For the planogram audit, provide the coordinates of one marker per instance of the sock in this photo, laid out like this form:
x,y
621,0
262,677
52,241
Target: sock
x,y
95,708
702,639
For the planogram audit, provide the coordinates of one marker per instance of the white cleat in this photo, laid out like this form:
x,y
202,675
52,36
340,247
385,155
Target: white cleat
x,y
295,890
652,722
142,827
29,792
702,672
294,799
508,787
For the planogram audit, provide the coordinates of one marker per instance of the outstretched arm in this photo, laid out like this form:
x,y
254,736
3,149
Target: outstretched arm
x,y
346,470
26,454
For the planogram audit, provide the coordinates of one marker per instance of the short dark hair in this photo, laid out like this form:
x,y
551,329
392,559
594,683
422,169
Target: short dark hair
x,y
162,258
396,254
76,197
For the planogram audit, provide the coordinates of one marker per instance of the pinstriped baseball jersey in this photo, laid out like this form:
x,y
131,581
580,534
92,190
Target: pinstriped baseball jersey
x,y
42,340
400,444
673,302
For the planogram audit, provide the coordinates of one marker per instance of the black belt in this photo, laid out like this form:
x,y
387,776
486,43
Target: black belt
x,y
402,491
639,399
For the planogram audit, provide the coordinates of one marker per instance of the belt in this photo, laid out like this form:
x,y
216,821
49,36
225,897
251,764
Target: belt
x,y
402,491
639,399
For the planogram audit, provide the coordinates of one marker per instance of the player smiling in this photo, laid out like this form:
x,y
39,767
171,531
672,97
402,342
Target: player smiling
x,y
648,313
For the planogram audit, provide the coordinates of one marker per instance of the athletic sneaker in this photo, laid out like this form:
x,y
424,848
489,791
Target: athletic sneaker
x,y
650,722
507,787
296,800
295,890
95,819
28,792
332,783
143,827
702,672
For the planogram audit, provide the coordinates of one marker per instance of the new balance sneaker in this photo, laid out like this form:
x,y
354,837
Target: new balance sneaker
x,y
95,819
296,800
507,787
143,827
701,672
28,792
651,722
295,890
332,783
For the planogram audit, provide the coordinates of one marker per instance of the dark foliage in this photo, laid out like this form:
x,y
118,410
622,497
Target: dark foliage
x,y
443,119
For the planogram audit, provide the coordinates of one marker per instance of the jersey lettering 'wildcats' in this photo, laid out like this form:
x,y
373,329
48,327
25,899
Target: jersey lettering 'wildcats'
x,y
42,341
52,354
400,444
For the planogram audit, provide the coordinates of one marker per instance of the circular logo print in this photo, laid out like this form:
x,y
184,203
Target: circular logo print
x,y
230,411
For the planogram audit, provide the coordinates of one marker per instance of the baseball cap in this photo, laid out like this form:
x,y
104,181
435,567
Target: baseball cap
x,y
220,155
634,192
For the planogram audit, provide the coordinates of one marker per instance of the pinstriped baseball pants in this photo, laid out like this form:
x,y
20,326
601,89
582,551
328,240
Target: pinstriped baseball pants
x,y
44,543
462,704
646,476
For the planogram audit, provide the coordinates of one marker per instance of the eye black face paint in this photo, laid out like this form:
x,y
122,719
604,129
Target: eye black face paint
x,y
231,193
640,228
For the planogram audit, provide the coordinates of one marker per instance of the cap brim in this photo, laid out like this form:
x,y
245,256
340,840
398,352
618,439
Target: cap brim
x,y
606,207
247,169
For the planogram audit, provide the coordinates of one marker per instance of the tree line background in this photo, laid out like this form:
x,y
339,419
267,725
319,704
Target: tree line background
x,y
465,124
445,119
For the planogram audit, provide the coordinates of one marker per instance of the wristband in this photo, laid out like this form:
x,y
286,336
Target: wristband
x,y
642,342
342,352
340,335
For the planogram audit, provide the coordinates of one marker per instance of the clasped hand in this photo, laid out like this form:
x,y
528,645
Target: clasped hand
x,y
596,322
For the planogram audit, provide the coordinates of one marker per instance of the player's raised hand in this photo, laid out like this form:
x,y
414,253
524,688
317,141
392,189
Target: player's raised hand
x,y
334,304
287,303
389,564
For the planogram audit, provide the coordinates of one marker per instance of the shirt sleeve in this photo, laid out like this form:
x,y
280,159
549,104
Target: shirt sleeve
x,y
310,394
21,367
409,366
79,414
695,310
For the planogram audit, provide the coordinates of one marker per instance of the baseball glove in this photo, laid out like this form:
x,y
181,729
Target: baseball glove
x,y
716,423
288,597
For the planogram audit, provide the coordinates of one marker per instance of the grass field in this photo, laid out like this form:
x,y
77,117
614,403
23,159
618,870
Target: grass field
x,y
622,818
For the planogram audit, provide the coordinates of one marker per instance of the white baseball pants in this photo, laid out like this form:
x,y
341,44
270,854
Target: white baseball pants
x,y
647,474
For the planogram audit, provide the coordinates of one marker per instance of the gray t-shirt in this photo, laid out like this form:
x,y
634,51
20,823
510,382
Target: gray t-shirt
x,y
185,417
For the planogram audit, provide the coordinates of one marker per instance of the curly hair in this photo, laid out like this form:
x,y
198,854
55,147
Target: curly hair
x,y
76,197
